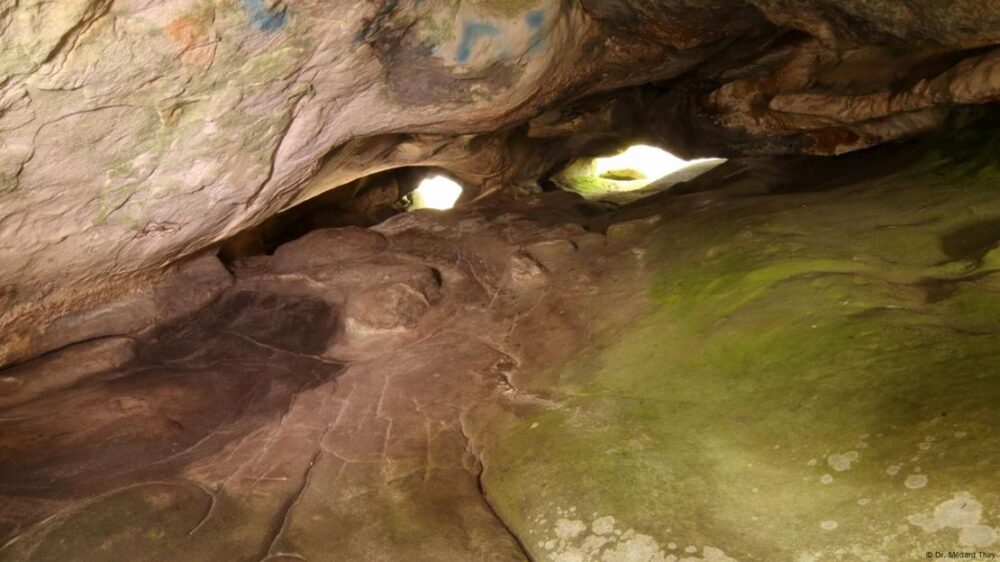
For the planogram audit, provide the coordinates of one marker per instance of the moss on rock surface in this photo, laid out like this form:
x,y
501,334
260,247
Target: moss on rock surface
x,y
809,377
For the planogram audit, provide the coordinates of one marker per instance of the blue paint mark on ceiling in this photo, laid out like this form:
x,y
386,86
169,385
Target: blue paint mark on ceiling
x,y
263,17
535,19
472,31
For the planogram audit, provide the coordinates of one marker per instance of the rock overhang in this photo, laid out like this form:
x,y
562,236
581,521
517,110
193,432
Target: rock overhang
x,y
135,136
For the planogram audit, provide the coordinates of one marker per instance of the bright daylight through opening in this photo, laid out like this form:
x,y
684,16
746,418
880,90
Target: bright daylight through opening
x,y
632,169
435,192
641,163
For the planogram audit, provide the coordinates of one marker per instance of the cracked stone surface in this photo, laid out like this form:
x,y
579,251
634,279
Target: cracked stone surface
x,y
754,367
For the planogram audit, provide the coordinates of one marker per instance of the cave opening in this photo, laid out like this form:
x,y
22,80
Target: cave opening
x,y
634,168
434,192
642,164
364,202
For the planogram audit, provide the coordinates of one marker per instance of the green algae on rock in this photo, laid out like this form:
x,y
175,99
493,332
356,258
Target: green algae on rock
x,y
796,385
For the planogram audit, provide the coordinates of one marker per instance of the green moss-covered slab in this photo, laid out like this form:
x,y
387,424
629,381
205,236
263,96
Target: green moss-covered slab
x,y
806,377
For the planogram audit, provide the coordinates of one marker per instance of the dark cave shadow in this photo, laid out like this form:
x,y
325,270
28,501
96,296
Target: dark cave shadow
x,y
973,241
193,387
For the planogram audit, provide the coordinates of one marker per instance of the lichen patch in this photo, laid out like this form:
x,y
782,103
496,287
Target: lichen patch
x,y
842,462
568,540
962,512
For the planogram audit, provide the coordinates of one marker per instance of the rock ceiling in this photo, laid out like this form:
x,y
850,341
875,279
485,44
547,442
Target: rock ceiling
x,y
136,132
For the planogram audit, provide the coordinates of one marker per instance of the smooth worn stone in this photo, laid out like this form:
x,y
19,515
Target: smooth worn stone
x,y
190,286
321,248
629,229
180,291
398,306
553,254
63,368
117,318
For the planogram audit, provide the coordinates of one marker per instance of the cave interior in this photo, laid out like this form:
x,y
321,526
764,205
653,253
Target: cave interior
x,y
460,280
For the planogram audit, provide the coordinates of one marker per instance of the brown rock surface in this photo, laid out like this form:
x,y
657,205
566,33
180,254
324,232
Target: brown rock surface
x,y
303,412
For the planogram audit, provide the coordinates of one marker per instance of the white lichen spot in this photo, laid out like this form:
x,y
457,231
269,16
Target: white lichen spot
x,y
842,462
638,548
607,542
672,546
864,501
978,536
569,529
570,555
893,470
812,462
828,525
603,525
915,481
826,479
593,544
534,426
961,511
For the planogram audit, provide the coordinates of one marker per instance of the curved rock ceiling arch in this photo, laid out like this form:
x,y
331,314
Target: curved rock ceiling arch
x,y
121,117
